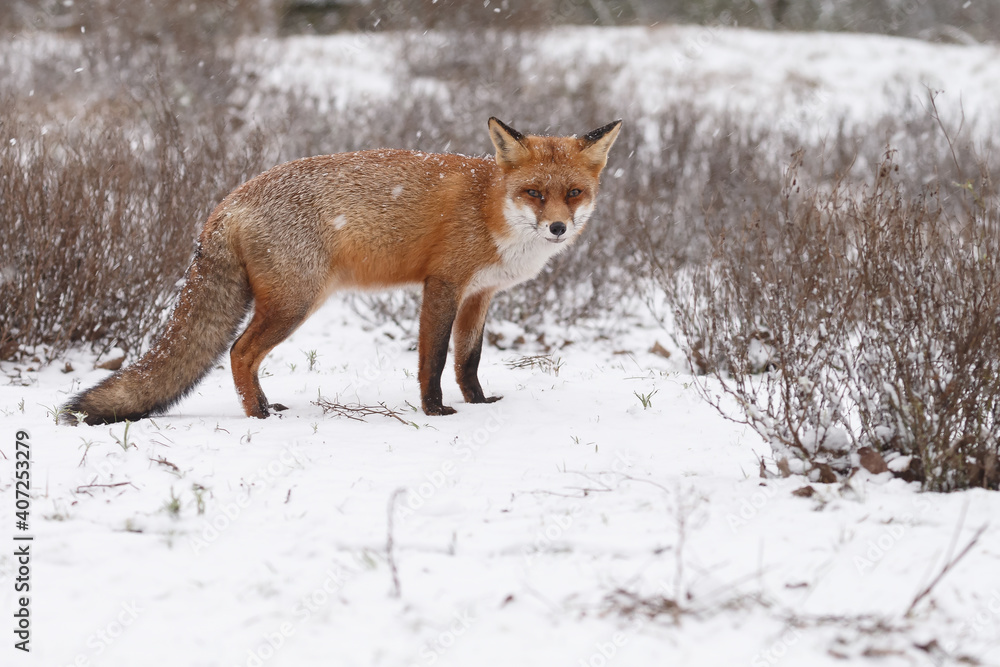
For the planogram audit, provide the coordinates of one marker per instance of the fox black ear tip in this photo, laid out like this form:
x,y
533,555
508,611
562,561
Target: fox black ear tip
x,y
505,128
601,132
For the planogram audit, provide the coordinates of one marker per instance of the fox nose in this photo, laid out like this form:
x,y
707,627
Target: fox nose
x,y
557,228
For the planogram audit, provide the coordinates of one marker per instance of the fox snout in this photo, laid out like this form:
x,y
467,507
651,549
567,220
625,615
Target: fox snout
x,y
557,229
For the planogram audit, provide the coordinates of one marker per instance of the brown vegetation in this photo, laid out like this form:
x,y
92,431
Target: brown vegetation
x,y
855,326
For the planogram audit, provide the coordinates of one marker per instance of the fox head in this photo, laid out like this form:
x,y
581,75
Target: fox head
x,y
551,181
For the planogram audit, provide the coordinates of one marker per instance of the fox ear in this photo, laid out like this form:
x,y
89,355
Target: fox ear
x,y
596,144
509,144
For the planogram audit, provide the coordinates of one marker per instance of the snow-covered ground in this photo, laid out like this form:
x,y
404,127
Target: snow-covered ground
x,y
564,525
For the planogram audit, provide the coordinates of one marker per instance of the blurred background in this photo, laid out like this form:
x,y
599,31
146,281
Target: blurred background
x,y
956,20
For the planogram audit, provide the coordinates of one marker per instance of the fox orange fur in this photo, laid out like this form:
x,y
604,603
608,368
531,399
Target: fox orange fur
x,y
465,228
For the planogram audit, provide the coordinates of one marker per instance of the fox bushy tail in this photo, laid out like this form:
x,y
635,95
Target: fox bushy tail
x,y
213,302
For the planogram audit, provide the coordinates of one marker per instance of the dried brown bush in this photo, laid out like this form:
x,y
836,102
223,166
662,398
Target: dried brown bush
x,y
928,353
97,223
110,165
854,317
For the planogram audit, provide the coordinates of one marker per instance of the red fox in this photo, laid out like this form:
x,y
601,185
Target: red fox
x,y
465,228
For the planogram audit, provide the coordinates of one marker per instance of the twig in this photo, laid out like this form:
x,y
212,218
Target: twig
x,y
104,486
389,553
630,604
958,530
951,564
544,362
86,448
584,492
358,412
164,462
936,116
630,478
529,361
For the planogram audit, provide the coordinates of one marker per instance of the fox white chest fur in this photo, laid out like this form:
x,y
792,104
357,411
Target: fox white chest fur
x,y
523,253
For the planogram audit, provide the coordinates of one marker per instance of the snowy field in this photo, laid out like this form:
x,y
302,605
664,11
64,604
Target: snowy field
x,y
565,525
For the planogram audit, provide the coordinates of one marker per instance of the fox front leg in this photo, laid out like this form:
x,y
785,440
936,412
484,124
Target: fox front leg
x,y
437,314
469,346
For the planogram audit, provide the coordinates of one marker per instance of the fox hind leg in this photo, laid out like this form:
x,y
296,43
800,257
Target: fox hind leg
x,y
273,321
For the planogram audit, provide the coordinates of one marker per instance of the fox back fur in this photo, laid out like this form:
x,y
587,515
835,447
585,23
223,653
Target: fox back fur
x,y
465,228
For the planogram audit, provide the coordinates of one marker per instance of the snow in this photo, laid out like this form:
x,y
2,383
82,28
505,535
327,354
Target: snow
x,y
803,82
517,522
525,529
340,67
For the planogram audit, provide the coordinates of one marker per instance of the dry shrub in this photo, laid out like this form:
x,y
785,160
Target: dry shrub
x,y
98,224
111,165
164,128
926,368
857,327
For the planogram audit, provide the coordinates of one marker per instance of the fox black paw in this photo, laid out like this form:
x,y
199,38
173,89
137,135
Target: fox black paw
x,y
439,410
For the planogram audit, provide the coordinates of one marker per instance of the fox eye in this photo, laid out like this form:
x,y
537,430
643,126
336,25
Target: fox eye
x,y
534,193
575,192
